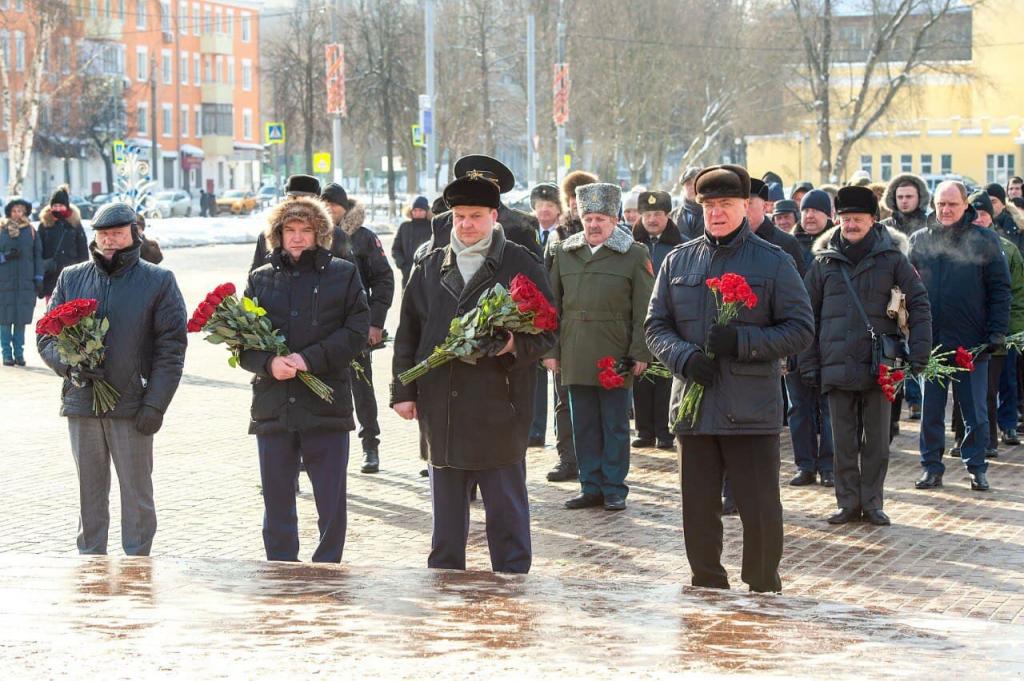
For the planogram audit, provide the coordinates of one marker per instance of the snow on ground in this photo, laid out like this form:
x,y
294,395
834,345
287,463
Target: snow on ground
x,y
223,229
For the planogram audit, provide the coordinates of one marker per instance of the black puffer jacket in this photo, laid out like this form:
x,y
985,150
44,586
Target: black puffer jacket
x,y
319,306
146,341
64,244
366,252
471,416
840,357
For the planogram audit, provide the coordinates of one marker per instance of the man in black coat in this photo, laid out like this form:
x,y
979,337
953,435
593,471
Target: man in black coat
x,y
762,226
378,281
689,216
659,234
736,429
411,234
855,268
144,357
63,239
318,304
474,419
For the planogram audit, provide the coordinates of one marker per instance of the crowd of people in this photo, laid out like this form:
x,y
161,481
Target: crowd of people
x,y
844,284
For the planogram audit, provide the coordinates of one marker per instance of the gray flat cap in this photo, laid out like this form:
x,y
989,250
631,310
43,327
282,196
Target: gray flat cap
x,y
112,215
599,197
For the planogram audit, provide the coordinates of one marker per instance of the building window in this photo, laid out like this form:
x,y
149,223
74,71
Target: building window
x,y
165,67
926,164
247,124
183,68
207,76
183,124
946,164
208,24
94,9
142,119
4,46
140,14
141,64
120,9
65,55
865,163
218,72
885,166
1000,168
165,17
231,71
197,76
247,74
183,18
230,21
199,121
219,20
19,51
167,124
246,28
196,22
218,119
906,163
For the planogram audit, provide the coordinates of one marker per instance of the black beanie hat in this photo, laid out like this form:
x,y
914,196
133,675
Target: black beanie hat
x,y
61,196
981,201
335,193
995,189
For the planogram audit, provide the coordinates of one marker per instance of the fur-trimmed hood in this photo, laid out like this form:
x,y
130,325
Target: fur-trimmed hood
x,y
619,241
1016,214
47,219
570,182
353,218
824,241
307,208
923,195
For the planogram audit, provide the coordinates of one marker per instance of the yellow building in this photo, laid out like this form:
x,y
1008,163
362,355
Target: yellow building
x,y
965,125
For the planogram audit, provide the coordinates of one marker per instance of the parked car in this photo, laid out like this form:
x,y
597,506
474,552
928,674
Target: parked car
x,y
173,203
933,181
268,195
237,202
86,207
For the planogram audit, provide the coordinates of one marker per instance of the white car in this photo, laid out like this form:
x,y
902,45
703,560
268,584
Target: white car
x,y
173,203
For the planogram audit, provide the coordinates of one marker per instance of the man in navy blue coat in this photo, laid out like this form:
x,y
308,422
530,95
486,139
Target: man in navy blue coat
x,y
968,281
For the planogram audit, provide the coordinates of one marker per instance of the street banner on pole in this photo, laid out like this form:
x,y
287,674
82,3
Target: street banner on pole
x,y
335,54
560,94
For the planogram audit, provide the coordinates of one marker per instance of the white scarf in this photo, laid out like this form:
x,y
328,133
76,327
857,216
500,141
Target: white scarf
x,y
470,258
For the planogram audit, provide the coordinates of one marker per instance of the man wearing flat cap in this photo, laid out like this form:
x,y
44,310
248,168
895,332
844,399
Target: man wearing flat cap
x,y
602,283
855,267
474,418
689,217
736,429
658,233
294,186
519,227
145,354
786,215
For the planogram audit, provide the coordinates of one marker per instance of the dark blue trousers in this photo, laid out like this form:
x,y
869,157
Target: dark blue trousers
x,y
912,391
600,427
1008,392
971,392
539,427
810,427
507,512
326,456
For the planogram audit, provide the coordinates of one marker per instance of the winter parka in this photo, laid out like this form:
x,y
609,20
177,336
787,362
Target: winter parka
x,y
64,243
21,269
907,223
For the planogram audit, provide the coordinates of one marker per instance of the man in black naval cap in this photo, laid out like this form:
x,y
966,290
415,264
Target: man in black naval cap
x,y
295,185
736,430
519,227
144,357
474,418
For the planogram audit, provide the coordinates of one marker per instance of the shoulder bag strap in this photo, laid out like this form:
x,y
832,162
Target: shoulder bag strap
x,y
856,301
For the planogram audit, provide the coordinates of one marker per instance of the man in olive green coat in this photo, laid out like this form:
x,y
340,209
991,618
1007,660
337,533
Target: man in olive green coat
x,y
602,282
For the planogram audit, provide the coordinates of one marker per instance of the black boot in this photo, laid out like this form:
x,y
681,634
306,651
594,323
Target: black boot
x,y
563,471
371,460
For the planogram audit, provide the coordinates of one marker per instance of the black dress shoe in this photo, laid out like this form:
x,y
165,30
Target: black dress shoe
x,y
803,478
828,479
371,460
955,452
666,444
562,472
929,480
424,473
1010,437
585,501
915,412
979,482
877,516
991,453
642,442
19,362
845,515
729,507
535,442
613,502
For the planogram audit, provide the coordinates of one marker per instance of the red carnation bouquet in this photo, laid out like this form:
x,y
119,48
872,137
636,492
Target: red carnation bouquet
x,y
80,345
613,372
732,293
241,324
521,308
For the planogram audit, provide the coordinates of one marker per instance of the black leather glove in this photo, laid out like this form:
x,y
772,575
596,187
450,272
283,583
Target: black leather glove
x,y
81,376
148,420
723,341
493,345
811,379
701,369
13,254
994,348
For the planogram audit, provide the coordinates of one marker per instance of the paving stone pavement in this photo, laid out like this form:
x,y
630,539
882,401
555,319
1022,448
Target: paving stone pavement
x,y
950,551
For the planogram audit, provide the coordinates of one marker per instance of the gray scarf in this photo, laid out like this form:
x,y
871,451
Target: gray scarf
x,y
469,259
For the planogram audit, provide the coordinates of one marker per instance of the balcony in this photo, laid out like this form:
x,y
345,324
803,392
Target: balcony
x,y
218,145
217,93
103,28
215,43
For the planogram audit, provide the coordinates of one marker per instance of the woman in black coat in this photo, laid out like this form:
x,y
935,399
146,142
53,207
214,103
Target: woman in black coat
x,y
411,233
318,304
63,238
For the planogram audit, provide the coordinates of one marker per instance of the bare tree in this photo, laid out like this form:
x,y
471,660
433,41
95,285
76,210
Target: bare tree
x,y
891,42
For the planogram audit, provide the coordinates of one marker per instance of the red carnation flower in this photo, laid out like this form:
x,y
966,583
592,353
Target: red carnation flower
x,y
609,380
964,359
606,363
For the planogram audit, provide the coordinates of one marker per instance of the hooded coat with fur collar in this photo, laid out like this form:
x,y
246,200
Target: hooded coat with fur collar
x,y
908,223
362,247
64,243
840,357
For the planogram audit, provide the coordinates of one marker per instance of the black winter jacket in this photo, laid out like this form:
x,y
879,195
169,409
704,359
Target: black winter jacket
x,y
64,244
411,234
689,218
806,243
366,252
840,357
471,416
745,398
145,345
319,306
787,242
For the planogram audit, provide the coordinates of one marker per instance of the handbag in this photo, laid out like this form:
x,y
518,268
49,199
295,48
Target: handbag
x,y
890,349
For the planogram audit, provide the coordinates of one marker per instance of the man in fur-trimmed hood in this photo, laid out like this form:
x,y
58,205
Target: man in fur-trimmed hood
x,y
907,197
570,217
299,208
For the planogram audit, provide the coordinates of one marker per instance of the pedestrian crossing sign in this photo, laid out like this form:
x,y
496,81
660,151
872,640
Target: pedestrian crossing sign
x,y
321,162
273,133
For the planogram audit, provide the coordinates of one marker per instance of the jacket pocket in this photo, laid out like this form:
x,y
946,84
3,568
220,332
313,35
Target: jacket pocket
x,y
760,314
689,296
753,394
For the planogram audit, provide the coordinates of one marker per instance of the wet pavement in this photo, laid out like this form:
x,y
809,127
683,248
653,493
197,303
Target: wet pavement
x,y
132,617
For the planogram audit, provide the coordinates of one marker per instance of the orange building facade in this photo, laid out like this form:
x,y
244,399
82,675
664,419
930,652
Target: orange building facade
x,y
189,73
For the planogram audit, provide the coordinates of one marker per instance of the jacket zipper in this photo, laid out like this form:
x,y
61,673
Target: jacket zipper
x,y
316,304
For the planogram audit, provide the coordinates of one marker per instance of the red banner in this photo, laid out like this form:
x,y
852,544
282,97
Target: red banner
x,y
335,60
560,94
